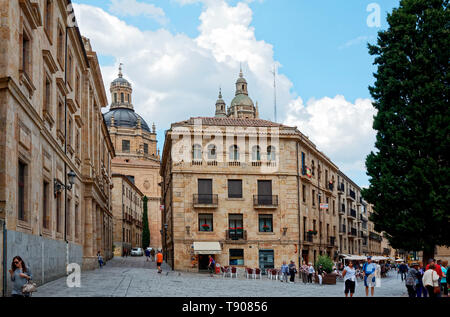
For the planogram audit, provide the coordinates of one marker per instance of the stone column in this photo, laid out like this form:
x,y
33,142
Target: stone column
x,y
88,234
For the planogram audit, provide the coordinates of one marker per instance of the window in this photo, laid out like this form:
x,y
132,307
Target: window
x,y
60,125
145,148
205,191
121,97
236,257
26,53
115,97
45,205
303,164
234,153
69,130
212,152
312,167
48,17
234,188
47,95
271,156
58,212
126,146
128,98
313,197
265,223
69,68
197,152
60,52
256,153
205,222
77,222
68,218
22,183
304,193
265,192
77,88
131,178
77,143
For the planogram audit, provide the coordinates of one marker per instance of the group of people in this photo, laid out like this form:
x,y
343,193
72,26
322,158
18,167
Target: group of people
x,y
371,275
288,270
307,272
431,281
150,254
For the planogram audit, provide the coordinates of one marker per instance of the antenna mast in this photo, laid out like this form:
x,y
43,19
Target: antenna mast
x,y
274,72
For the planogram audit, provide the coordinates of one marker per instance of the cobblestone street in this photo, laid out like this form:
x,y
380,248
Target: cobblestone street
x,y
134,277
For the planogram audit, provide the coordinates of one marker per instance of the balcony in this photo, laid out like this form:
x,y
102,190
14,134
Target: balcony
x,y
351,195
330,186
341,188
308,238
353,232
342,209
236,235
265,201
352,213
342,229
206,200
331,241
375,236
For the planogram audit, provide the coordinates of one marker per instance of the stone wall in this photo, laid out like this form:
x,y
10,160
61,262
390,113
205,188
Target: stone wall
x,y
47,258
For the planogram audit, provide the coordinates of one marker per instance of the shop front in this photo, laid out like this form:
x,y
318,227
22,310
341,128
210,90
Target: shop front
x,y
203,250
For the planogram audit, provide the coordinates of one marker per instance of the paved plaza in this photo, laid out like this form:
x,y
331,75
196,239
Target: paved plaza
x,y
134,277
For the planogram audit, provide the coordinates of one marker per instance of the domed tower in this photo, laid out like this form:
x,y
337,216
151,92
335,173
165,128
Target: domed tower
x,y
121,92
242,106
221,107
137,155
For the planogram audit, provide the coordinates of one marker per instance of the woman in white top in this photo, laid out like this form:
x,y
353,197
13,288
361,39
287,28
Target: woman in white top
x,y
349,276
430,280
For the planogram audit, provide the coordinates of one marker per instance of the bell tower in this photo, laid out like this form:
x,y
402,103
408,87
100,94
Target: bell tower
x,y
121,92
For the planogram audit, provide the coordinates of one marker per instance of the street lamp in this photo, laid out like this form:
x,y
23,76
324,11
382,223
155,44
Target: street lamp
x,y
58,186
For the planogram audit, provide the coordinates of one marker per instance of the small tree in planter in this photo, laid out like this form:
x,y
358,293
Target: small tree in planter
x,y
327,265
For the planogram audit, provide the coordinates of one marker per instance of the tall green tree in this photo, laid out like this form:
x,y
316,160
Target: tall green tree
x,y
145,229
409,173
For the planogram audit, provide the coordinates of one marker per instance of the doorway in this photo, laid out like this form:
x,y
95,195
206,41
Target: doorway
x,y
203,261
266,259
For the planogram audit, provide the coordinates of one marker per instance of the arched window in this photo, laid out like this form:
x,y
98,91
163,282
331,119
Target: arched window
x,y
256,153
271,155
197,152
121,97
234,153
212,152
115,97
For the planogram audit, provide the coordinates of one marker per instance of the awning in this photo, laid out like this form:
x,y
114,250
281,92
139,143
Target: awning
x,y
207,248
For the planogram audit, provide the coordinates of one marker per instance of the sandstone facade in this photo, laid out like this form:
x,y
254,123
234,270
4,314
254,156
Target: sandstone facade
x,y
51,124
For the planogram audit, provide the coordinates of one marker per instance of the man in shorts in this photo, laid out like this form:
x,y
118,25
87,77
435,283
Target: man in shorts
x,y
159,260
369,275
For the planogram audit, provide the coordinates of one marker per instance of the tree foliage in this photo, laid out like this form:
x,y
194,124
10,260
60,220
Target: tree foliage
x,y
409,173
145,230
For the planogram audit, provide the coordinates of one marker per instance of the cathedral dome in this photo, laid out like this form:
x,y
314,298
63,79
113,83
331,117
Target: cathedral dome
x,y
242,100
124,117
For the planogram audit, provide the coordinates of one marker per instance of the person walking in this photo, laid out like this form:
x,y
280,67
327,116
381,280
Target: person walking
x,y
349,275
292,271
411,280
20,275
311,271
420,289
284,272
320,274
369,275
100,259
431,281
304,272
211,265
159,261
403,269
444,285
152,254
147,253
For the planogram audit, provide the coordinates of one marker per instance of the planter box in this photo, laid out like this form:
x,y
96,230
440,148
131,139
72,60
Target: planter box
x,y
329,279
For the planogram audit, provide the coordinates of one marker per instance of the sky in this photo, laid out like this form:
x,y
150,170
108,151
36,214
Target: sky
x,y
177,53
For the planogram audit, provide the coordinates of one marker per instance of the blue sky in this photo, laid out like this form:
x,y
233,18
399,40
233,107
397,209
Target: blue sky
x,y
320,45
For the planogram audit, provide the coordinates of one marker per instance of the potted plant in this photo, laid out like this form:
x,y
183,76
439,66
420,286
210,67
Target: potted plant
x,y
327,265
314,232
205,227
266,228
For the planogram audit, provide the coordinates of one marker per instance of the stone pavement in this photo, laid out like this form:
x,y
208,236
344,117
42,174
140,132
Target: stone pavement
x,y
134,277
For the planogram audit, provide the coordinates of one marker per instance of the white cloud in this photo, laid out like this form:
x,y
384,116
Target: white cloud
x,y
341,129
363,39
125,8
175,77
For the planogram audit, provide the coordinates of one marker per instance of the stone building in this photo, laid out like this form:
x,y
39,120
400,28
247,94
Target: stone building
x,y
137,155
377,244
353,218
127,211
55,150
245,190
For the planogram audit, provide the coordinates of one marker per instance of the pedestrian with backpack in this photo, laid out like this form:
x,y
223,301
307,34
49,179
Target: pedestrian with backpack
x,y
369,269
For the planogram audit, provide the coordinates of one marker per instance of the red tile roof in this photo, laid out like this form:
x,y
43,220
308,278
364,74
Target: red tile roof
x,y
213,121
